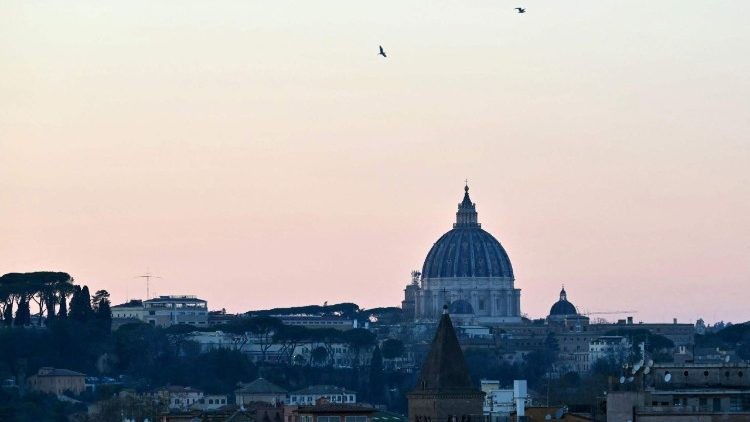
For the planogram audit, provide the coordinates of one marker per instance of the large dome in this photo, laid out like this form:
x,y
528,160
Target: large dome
x,y
467,250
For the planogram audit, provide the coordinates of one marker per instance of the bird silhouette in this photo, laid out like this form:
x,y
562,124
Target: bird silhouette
x,y
382,52
520,10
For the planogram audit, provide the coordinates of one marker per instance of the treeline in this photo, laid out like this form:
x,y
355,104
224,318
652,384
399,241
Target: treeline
x,y
389,315
269,331
734,337
49,292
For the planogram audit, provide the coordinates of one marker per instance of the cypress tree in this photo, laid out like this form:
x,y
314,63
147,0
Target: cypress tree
x,y
377,385
86,302
76,307
63,312
23,314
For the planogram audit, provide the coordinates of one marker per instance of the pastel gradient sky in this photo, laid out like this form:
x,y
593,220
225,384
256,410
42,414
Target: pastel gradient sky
x,y
260,153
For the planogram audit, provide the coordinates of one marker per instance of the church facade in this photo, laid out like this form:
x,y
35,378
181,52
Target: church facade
x,y
468,270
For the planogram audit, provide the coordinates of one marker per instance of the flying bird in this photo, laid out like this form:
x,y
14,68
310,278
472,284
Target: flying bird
x,y
520,10
382,52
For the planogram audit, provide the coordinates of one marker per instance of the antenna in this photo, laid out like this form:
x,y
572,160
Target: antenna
x,y
148,276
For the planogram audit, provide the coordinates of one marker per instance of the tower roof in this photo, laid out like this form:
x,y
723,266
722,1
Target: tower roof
x,y
466,216
445,369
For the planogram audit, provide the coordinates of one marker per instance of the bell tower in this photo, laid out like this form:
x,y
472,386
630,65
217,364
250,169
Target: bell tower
x,y
444,391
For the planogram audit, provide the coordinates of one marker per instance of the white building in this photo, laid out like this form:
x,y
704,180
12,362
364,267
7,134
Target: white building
x,y
499,402
335,395
133,309
164,311
211,402
609,347
178,397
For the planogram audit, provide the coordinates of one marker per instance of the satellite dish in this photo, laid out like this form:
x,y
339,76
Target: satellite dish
x,y
647,370
667,377
630,379
650,363
726,359
559,413
622,380
637,367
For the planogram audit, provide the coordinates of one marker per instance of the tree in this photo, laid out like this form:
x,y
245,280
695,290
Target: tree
x,y
392,348
63,309
290,337
8,315
358,339
80,304
319,355
262,329
377,384
101,306
99,297
23,314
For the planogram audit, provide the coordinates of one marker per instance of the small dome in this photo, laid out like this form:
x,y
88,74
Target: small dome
x,y
460,307
563,307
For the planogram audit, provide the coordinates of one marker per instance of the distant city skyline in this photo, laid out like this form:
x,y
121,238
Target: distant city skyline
x,y
264,155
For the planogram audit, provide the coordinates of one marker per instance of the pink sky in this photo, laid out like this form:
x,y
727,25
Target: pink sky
x,y
261,154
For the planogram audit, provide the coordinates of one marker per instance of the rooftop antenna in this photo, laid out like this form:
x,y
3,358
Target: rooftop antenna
x,y
148,276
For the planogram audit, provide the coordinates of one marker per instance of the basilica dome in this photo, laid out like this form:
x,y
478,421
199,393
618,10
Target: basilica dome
x,y
467,250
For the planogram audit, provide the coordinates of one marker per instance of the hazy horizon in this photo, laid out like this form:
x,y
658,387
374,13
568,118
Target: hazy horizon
x,y
262,154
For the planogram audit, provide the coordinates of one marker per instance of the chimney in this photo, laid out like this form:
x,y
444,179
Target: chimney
x,y
674,320
630,320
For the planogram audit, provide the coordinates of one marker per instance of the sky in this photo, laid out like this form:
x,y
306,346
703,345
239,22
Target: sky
x,y
260,154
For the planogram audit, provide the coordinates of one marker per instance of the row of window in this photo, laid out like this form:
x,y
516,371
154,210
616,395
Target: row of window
x,y
335,399
706,373
309,418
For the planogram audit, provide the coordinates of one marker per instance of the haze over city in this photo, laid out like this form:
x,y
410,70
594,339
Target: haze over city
x,y
262,154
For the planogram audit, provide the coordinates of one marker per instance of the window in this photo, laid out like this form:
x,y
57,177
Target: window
x,y
356,419
328,419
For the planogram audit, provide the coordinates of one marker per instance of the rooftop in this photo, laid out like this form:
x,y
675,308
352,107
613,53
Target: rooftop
x,y
176,298
261,386
323,389
334,408
53,372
